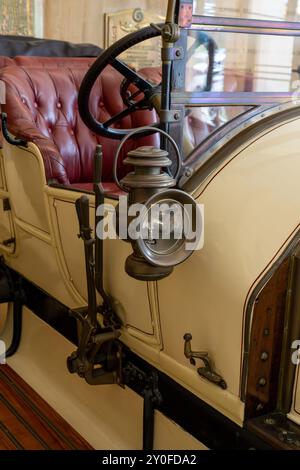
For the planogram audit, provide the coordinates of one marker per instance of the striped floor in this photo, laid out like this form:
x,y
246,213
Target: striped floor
x,y
27,422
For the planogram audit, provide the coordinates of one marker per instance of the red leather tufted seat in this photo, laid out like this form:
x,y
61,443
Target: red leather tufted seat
x,y
41,103
53,62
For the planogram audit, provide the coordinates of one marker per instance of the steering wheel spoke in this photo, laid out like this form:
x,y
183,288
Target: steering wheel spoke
x,y
109,57
131,75
126,112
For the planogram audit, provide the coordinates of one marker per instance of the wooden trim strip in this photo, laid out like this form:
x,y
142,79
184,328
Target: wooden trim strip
x,y
31,405
25,423
30,422
266,343
7,438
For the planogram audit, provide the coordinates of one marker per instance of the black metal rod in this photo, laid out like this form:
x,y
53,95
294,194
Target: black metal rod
x,y
17,328
165,103
7,136
99,201
82,209
148,420
134,107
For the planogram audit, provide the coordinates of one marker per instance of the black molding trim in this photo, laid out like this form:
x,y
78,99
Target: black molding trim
x,y
50,310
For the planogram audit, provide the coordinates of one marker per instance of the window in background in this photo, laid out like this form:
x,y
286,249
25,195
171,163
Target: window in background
x,y
256,9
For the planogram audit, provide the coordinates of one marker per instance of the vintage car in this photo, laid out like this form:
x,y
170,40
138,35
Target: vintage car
x,y
153,342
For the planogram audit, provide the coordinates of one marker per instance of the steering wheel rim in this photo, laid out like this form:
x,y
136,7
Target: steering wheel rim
x,y
108,57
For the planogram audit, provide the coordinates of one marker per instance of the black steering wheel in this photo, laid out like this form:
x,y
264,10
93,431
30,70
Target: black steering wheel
x,y
108,57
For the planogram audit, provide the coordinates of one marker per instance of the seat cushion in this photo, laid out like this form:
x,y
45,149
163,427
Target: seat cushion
x,y
41,102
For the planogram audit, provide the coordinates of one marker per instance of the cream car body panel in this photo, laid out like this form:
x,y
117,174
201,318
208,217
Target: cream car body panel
x,y
236,255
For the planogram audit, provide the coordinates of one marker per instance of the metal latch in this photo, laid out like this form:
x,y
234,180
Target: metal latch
x,y
207,371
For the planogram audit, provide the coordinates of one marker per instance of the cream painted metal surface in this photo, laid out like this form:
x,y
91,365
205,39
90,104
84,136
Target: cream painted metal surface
x,y
294,414
4,312
35,255
252,210
132,303
108,417
6,223
25,181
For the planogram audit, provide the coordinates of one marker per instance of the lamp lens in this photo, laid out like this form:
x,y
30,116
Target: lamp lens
x,y
163,227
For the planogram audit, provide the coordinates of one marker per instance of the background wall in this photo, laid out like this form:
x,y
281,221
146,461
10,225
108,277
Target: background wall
x,y
83,20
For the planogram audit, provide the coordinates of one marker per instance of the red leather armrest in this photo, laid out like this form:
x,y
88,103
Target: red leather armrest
x,y
53,161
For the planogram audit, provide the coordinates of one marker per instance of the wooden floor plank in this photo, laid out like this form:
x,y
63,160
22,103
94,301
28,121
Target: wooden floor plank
x,y
8,440
19,428
27,421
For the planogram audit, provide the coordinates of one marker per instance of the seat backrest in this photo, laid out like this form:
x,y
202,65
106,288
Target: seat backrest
x,y
53,62
41,103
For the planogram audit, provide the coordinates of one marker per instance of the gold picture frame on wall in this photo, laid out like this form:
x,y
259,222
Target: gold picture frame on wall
x,y
120,23
17,17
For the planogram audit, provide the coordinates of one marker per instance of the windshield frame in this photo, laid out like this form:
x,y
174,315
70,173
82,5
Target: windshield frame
x,y
243,25
179,98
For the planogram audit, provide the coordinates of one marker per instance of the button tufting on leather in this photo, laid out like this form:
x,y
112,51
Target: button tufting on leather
x,y
66,144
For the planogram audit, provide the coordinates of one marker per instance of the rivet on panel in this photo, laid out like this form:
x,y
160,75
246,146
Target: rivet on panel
x,y
264,356
262,382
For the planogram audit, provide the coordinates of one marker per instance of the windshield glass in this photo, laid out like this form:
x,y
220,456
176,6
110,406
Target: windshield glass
x,y
257,9
235,62
234,67
202,121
